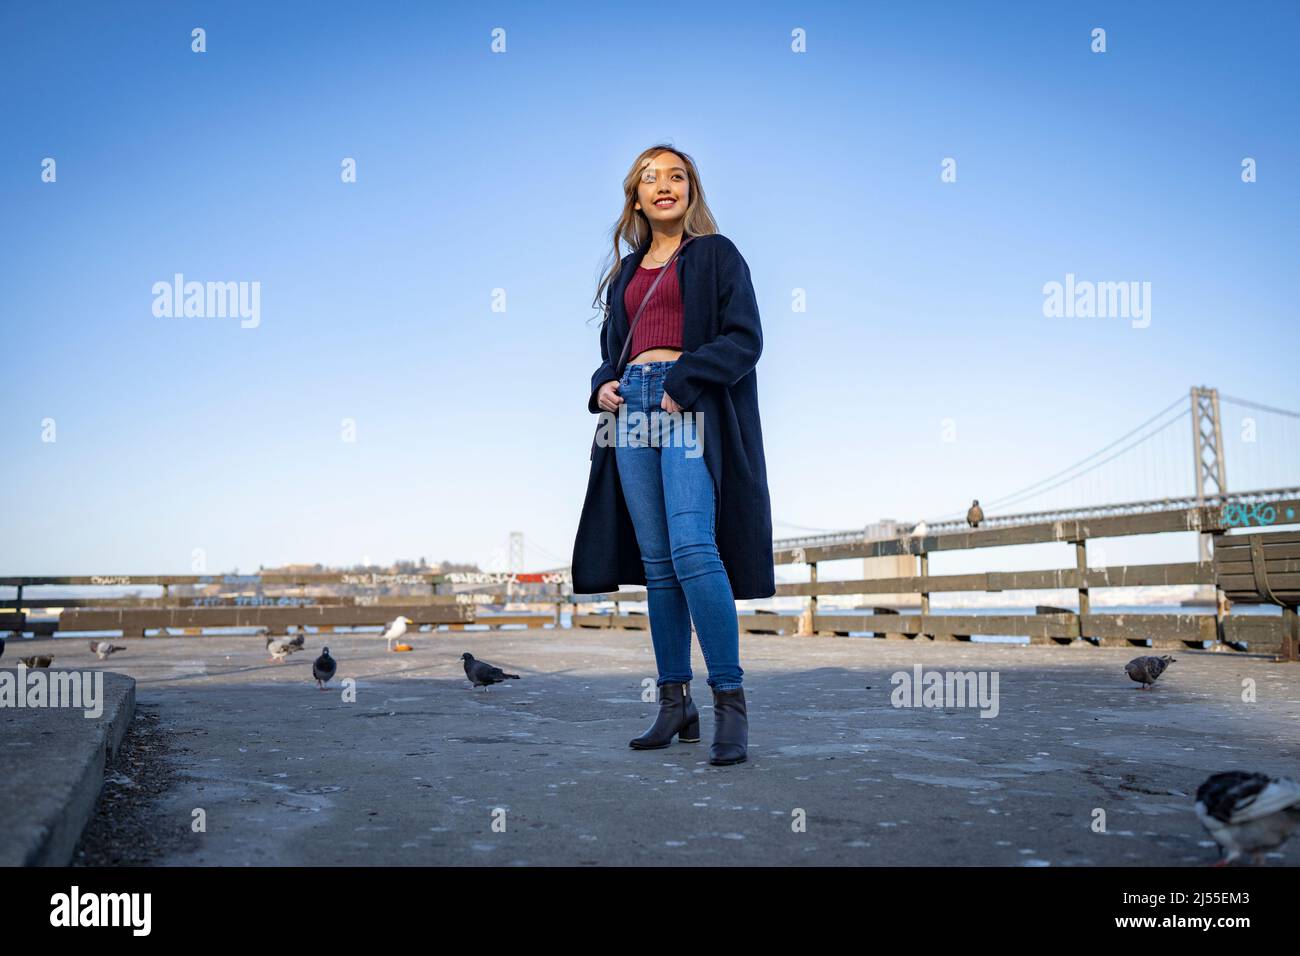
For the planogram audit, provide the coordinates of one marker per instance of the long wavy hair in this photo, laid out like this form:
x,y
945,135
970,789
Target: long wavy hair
x,y
633,227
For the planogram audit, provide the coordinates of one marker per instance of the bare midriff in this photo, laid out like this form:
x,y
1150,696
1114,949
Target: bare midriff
x,y
655,355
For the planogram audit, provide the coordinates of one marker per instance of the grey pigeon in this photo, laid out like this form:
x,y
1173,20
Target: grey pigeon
x,y
281,647
323,668
102,649
1145,670
483,674
1248,812
299,641
975,515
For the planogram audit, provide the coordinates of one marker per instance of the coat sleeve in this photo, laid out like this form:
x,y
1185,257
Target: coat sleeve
x,y
734,353
606,371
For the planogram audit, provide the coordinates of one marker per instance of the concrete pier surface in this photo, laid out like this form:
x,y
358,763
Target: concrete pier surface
x,y
52,758
1079,767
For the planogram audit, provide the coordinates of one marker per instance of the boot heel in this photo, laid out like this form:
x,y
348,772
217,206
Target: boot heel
x,y
690,734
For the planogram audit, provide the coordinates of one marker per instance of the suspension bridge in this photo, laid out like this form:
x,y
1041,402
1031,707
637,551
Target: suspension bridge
x,y
1174,460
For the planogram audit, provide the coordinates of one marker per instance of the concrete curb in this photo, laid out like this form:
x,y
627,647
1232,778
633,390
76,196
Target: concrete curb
x,y
52,762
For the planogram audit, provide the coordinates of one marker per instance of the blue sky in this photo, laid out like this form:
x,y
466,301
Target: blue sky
x,y
479,171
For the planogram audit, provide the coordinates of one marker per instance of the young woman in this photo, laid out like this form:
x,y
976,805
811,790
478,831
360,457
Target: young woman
x,y
681,506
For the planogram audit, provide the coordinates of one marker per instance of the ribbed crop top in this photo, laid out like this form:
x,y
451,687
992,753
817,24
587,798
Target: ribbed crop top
x,y
660,325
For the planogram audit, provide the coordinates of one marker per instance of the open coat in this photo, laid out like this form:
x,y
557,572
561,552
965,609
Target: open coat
x,y
714,376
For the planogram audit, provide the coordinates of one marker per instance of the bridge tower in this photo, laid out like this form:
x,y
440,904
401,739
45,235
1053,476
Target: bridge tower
x,y
516,560
1207,446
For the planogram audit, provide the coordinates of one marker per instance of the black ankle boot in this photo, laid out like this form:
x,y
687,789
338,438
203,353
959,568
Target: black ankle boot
x,y
677,715
730,728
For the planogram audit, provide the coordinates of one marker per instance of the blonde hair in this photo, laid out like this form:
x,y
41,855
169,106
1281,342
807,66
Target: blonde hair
x,y
634,228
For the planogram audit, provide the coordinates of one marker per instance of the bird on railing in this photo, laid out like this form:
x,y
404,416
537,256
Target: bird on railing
x,y
975,515
396,629
1248,812
482,674
920,530
323,668
102,649
1146,670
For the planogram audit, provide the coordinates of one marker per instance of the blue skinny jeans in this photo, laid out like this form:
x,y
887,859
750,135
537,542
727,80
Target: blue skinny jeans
x,y
670,497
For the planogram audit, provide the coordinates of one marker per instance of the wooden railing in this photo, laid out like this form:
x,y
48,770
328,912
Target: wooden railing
x,y
273,603
276,601
1048,625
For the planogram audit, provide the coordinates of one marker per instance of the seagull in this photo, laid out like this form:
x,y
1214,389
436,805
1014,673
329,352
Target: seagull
x,y
1145,670
396,630
1248,812
483,674
920,530
323,668
104,648
281,647
975,515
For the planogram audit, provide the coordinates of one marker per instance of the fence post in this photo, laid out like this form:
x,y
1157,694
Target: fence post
x,y
810,629
1081,564
925,594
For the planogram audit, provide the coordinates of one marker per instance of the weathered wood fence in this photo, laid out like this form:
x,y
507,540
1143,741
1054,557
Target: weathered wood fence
x,y
1048,625
269,600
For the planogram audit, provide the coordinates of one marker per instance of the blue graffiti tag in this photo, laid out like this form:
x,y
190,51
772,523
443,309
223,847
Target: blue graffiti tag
x,y
1244,514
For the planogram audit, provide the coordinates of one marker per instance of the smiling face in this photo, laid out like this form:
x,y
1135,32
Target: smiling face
x,y
664,190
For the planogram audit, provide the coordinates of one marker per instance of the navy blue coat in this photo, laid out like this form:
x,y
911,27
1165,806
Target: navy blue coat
x,y
721,342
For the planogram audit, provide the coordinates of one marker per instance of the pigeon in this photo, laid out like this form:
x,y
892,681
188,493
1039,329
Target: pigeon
x,y
1145,670
104,648
281,647
975,515
920,530
2,647
396,630
37,661
483,674
1248,812
299,640
323,668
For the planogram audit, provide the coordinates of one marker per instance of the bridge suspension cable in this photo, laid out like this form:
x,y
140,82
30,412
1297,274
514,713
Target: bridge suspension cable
x,y
1036,489
1263,408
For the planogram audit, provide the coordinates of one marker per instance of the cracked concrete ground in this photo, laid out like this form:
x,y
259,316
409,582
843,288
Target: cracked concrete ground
x,y
422,769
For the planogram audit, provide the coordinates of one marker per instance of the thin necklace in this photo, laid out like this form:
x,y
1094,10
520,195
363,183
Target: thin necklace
x,y
662,261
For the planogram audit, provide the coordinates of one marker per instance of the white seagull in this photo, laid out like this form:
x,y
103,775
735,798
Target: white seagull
x,y
396,630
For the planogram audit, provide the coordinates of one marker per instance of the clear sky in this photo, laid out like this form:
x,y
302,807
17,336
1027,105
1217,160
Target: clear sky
x,y
479,171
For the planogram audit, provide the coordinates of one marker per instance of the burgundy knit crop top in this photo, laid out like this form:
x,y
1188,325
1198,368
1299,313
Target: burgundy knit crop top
x,y
660,325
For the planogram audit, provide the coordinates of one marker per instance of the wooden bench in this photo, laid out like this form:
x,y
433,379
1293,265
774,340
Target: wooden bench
x,y
1263,569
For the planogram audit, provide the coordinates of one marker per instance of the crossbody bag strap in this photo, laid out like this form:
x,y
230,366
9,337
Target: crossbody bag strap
x,y
627,344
